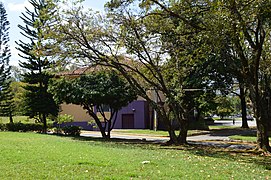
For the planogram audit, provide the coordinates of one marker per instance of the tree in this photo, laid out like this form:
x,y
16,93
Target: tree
x,y
168,38
247,24
225,106
18,99
94,92
39,103
16,73
6,103
153,63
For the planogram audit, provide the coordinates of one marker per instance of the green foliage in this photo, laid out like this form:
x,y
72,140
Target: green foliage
x,y
2,127
154,49
18,98
5,50
62,118
21,127
225,106
6,96
7,105
92,92
96,89
38,102
178,45
71,130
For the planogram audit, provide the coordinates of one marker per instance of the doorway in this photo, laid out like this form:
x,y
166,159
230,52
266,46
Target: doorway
x,y
128,121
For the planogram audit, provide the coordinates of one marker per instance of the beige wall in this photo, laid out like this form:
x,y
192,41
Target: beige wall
x,y
79,113
76,111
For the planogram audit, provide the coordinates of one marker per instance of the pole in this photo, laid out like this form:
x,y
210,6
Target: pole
x,y
155,120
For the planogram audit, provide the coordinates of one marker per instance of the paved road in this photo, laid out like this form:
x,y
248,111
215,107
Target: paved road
x,y
214,138
125,136
217,140
153,138
205,137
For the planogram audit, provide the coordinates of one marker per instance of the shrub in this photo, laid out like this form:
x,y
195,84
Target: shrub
x,y
64,118
72,130
20,127
2,127
15,127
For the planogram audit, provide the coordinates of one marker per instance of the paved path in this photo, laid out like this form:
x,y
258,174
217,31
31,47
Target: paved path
x,y
125,136
219,138
206,137
206,140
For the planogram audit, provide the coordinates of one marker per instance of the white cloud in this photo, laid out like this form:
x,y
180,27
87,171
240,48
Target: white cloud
x,y
19,7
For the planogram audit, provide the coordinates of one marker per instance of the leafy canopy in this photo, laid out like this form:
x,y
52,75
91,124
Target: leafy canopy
x,y
95,89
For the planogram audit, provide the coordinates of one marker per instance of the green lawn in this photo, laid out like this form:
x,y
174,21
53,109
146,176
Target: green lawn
x,y
243,138
222,127
23,119
250,138
36,156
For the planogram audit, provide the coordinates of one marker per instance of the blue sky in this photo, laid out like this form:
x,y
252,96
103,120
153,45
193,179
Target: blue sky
x,y
14,9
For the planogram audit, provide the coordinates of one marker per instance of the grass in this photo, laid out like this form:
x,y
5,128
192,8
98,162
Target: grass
x,y
23,119
243,138
36,156
227,119
216,127
249,138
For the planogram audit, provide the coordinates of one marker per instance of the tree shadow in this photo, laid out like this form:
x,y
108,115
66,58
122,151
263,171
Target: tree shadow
x,y
121,142
246,156
241,155
232,131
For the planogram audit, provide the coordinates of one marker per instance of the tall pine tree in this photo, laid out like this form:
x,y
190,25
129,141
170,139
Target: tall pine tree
x,y
38,102
6,96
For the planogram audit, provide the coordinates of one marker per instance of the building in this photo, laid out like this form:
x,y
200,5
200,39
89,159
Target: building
x,y
137,115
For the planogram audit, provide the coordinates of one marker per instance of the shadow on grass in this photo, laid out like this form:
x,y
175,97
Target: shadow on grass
x,y
116,140
232,131
242,156
245,156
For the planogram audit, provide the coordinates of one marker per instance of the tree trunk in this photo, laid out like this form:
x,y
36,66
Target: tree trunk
x,y
99,124
243,105
109,129
10,117
262,127
260,108
44,123
172,137
97,121
182,138
262,137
